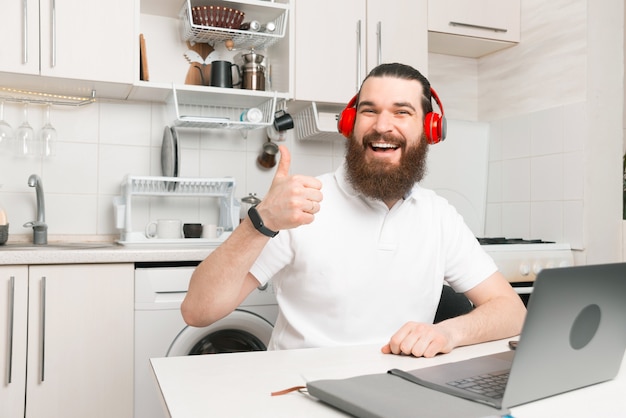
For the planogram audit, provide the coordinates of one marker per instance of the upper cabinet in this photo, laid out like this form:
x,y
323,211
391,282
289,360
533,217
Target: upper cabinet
x,y
68,40
338,42
472,28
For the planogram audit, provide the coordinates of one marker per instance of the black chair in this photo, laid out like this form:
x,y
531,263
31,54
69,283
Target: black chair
x,y
452,304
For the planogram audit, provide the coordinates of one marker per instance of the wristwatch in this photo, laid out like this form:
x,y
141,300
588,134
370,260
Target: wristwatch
x,y
258,223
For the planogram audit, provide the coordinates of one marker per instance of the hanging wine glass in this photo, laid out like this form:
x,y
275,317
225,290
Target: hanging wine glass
x,y
6,132
48,136
25,140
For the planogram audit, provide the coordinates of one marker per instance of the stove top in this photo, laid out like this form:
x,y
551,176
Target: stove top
x,y
503,240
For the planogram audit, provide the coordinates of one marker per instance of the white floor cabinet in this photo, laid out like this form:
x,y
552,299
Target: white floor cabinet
x,y
69,340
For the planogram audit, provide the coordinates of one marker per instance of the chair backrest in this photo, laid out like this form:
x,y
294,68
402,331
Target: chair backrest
x,y
452,304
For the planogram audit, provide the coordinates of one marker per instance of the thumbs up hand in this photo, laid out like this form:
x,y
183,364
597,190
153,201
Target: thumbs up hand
x,y
292,200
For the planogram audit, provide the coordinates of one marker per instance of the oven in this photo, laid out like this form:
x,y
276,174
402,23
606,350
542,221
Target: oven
x,y
521,260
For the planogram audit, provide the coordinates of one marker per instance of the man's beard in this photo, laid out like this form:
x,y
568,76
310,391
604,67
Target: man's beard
x,y
380,180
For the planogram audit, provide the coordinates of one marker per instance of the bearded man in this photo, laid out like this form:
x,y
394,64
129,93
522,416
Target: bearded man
x,y
363,252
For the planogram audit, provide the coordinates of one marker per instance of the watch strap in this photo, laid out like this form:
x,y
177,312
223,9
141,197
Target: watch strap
x,y
256,220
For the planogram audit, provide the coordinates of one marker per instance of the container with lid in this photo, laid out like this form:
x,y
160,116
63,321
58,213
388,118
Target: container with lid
x,y
246,203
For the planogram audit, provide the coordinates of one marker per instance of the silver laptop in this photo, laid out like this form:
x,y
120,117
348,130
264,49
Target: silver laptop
x,y
574,335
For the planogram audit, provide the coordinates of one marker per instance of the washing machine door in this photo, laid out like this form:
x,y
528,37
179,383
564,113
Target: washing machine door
x,y
237,332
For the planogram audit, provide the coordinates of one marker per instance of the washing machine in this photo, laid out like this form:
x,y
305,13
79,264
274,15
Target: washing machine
x,y
160,330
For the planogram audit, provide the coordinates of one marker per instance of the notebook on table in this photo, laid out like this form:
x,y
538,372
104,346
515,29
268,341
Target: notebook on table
x,y
573,336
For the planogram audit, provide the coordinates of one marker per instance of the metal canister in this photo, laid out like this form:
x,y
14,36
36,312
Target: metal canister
x,y
246,203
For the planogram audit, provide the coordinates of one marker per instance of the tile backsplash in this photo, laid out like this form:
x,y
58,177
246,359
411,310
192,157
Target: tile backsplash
x,y
102,142
536,184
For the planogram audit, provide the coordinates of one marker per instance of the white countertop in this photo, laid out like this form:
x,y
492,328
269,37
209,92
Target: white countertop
x,y
239,384
113,253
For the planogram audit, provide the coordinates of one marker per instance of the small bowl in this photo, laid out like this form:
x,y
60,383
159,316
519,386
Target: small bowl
x,y
4,234
192,230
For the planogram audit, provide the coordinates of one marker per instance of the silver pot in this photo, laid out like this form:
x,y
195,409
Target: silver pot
x,y
246,203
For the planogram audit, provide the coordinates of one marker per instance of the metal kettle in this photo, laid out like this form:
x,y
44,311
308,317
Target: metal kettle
x,y
253,73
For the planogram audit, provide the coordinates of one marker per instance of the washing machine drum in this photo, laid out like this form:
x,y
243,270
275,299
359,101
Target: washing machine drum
x,y
239,331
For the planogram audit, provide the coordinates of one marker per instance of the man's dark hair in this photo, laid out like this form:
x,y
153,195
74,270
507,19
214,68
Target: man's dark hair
x,y
406,72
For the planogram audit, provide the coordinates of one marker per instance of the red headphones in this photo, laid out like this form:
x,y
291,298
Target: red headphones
x,y
435,125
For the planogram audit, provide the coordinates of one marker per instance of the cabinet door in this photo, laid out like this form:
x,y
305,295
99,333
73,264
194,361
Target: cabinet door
x,y
80,350
397,32
329,54
19,31
89,40
491,19
13,324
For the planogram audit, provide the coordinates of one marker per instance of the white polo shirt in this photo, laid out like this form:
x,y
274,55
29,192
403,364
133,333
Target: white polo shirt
x,y
360,271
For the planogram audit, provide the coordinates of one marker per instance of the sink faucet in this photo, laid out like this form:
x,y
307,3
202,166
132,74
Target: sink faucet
x,y
40,229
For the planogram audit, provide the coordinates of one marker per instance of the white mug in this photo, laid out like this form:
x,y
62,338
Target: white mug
x,y
212,231
165,229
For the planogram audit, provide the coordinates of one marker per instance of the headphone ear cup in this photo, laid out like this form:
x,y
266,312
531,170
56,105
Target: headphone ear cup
x,y
345,125
433,127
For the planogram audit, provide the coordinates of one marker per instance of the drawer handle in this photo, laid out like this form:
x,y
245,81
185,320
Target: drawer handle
x,y
25,32
469,25
43,329
11,319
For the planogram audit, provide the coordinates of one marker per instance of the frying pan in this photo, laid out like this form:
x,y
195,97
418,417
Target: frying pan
x,y
170,159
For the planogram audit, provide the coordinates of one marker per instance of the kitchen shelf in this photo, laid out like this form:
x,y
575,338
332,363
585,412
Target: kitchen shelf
x,y
24,96
222,188
262,11
317,123
190,108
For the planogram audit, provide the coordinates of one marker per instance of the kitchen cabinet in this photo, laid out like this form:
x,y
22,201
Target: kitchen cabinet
x,y
472,29
13,326
70,39
72,340
338,43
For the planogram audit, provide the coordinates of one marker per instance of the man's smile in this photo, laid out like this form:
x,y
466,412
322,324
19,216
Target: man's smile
x,y
383,146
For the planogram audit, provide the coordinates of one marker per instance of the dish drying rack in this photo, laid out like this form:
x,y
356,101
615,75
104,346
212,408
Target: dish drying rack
x,y
313,124
190,109
222,188
242,39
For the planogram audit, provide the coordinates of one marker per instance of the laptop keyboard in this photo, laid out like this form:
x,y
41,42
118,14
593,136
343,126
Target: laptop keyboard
x,y
491,385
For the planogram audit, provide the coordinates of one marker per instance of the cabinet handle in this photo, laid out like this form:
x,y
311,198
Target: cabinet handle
x,y
379,43
54,33
11,317
25,31
43,327
358,55
469,25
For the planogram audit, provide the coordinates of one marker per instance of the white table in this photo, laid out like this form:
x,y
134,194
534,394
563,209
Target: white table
x,y
239,385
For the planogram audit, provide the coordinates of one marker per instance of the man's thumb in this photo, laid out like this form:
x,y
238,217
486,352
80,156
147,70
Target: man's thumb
x,y
283,164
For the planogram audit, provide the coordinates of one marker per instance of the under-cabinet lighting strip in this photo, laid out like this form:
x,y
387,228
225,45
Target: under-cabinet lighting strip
x,y
16,95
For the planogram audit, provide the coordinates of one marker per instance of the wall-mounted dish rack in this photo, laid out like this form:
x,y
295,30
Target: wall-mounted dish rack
x,y
221,188
24,96
317,123
190,108
263,12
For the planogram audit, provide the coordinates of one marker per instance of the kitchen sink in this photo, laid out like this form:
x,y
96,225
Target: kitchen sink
x,y
54,246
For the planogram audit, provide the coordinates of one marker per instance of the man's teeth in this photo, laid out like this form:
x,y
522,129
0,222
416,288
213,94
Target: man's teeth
x,y
379,145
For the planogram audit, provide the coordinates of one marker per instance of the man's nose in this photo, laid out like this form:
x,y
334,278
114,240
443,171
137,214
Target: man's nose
x,y
384,122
